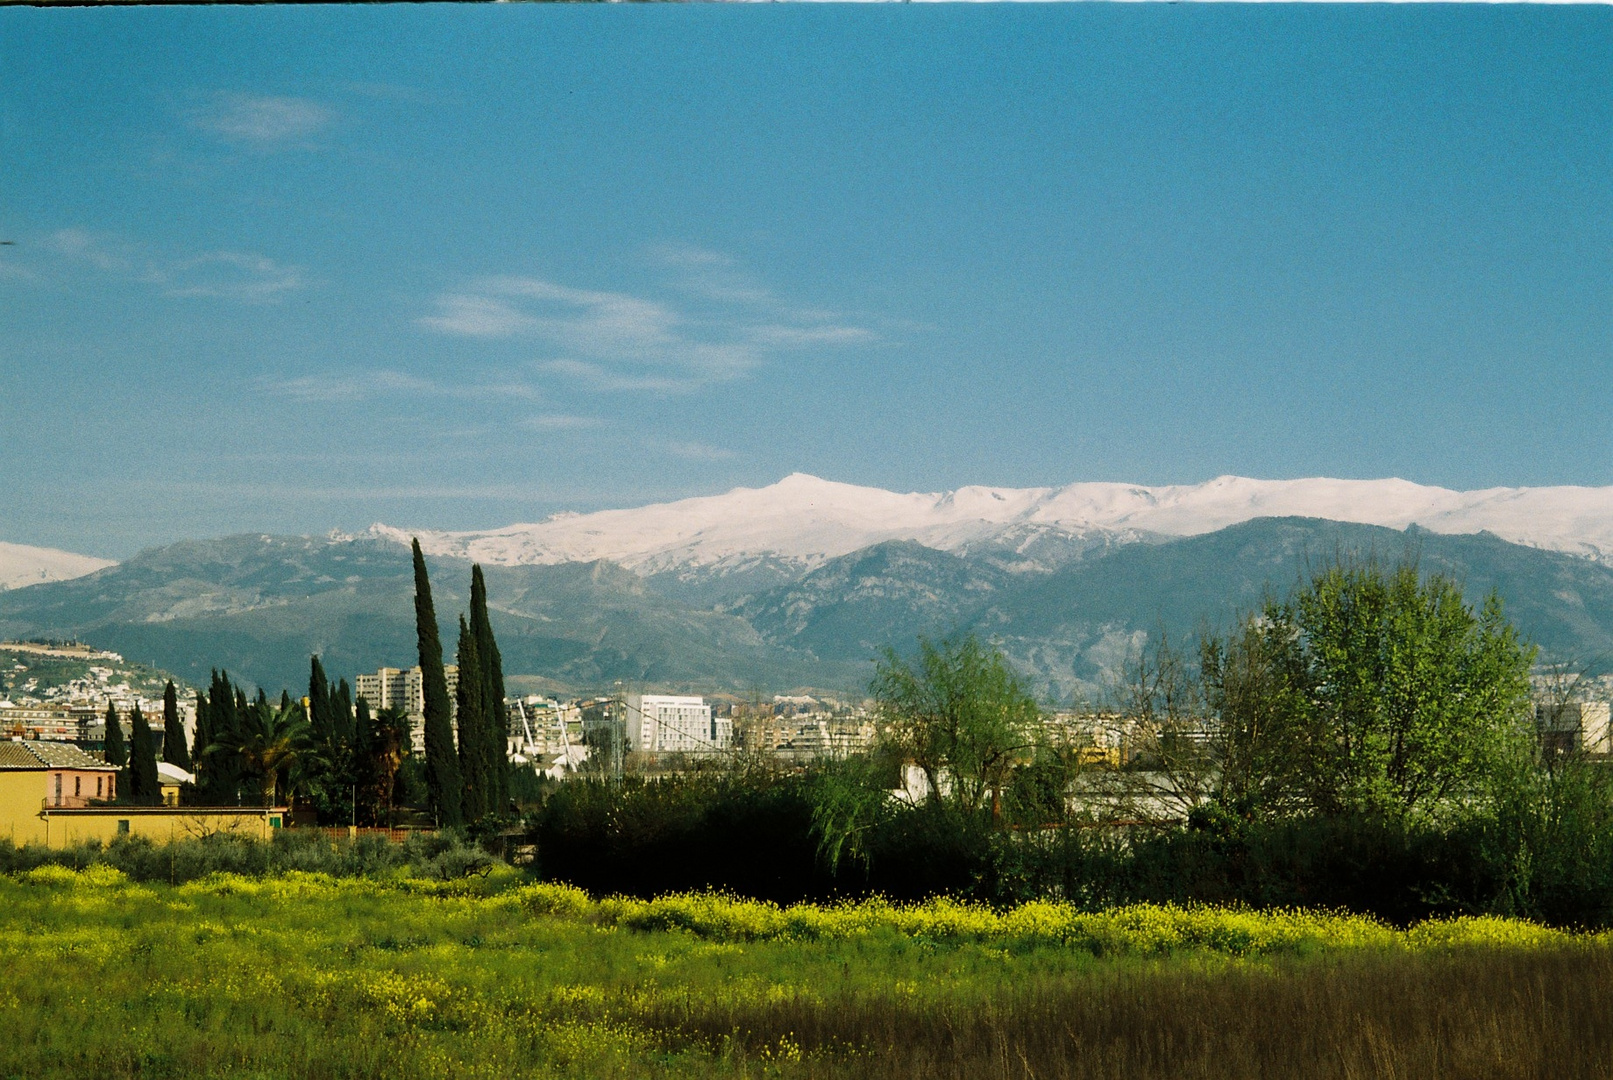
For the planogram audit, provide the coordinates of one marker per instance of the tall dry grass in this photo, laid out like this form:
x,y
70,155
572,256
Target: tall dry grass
x,y
1468,1015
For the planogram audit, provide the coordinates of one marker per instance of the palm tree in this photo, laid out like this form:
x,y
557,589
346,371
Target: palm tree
x,y
390,742
270,742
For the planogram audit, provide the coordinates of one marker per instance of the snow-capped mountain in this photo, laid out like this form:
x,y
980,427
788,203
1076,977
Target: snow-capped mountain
x,y
803,521
22,565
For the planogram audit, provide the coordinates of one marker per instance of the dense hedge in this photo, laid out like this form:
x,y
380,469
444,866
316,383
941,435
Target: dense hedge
x,y
1547,856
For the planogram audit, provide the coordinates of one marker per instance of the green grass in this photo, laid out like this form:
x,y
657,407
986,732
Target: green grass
x,y
309,976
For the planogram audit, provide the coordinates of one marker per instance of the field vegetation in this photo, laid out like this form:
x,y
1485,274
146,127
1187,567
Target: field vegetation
x,y
310,975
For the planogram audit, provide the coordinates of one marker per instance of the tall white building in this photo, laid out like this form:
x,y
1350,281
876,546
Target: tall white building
x,y
405,689
667,723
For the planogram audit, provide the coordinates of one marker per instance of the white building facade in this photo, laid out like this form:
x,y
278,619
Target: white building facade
x,y
666,723
405,689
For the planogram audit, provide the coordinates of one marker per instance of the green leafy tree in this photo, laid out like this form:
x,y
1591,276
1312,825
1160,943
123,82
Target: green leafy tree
x,y
1371,691
471,718
174,751
117,753
442,758
959,713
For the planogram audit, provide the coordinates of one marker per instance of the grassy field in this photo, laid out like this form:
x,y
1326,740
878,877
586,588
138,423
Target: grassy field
x,y
307,976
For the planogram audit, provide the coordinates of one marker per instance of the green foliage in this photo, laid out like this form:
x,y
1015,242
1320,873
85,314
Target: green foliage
x,y
443,779
470,715
174,751
1371,691
267,745
144,786
960,713
117,752
214,974
494,752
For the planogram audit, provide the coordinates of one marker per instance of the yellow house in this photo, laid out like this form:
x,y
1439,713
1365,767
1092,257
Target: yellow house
x,y
52,793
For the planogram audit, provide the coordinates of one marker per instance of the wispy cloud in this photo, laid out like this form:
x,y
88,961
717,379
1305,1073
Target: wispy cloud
x,y
262,120
349,386
100,250
562,422
229,275
609,341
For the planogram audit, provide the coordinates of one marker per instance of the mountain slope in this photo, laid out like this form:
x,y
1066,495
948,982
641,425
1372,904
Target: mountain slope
x,y
259,605
852,607
1070,627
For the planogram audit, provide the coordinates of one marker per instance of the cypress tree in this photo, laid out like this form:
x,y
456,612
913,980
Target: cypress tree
x,y
341,714
442,764
173,730
472,739
496,723
361,774
200,741
116,753
319,725
144,785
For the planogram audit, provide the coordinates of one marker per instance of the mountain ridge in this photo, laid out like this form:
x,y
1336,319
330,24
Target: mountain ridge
x,y
803,521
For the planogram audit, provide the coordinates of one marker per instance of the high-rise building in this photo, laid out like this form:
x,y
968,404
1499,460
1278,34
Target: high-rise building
x,y
405,689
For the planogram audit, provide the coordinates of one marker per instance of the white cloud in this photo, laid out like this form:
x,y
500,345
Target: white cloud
x,y
327,387
610,341
264,120
99,250
230,275
476,316
562,422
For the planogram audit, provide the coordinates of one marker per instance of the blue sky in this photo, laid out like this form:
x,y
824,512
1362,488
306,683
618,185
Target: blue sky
x,y
307,268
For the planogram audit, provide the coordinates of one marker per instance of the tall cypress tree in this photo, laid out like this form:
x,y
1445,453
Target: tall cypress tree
x,y
319,725
496,723
442,763
116,752
341,714
361,768
472,722
144,785
173,730
201,739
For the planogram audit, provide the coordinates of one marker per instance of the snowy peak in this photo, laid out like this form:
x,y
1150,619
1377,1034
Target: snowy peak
x,y
21,565
805,520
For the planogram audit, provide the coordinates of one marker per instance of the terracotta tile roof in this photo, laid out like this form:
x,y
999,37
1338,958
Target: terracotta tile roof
x,y
40,754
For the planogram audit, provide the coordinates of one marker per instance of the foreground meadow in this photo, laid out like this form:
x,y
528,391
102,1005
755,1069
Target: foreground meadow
x,y
309,976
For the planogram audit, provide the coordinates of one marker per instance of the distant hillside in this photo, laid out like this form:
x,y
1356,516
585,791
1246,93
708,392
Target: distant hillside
x,y
259,605
1070,626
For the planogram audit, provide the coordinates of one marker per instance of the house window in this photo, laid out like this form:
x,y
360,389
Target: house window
x,y
78,782
123,828
58,789
98,787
